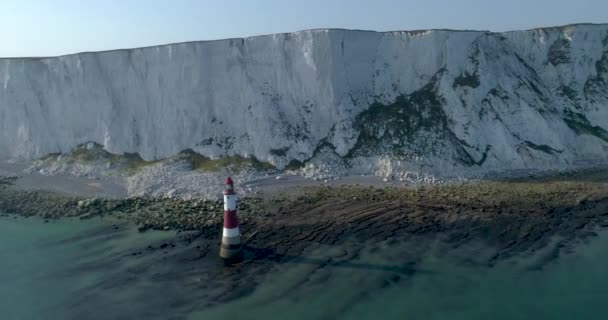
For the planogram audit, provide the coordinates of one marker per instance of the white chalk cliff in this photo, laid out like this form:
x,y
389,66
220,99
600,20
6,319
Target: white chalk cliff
x,y
439,100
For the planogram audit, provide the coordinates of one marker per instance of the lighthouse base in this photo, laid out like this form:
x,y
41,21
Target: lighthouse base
x,y
231,249
231,256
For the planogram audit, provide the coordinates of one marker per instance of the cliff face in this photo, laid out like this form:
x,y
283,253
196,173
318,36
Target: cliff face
x,y
441,100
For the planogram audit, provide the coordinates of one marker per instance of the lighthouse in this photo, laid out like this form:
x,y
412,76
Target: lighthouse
x,y
230,250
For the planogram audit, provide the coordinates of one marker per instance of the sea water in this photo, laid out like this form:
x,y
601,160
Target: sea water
x,y
444,284
46,267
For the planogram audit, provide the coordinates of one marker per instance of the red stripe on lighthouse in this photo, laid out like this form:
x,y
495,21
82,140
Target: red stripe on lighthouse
x,y
230,219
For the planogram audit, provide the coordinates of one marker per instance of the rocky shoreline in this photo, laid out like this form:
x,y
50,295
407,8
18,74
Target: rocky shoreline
x,y
145,212
504,213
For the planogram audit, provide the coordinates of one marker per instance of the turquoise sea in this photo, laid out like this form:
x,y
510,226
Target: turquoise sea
x,y
47,271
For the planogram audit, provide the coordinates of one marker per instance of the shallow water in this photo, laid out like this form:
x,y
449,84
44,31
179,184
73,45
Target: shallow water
x,y
49,269
445,285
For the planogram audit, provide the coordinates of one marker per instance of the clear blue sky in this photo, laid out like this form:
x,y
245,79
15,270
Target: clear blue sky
x,y
54,27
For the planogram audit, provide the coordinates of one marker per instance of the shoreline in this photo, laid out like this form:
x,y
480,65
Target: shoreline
x,y
435,208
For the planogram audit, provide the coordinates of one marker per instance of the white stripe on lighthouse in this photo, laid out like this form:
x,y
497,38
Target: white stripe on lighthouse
x,y
231,232
229,202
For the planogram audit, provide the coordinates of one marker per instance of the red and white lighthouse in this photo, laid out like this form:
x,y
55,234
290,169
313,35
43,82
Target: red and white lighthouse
x,y
230,250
